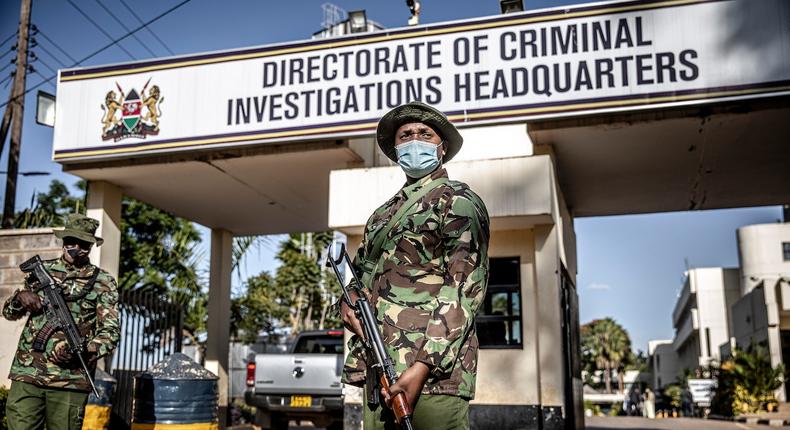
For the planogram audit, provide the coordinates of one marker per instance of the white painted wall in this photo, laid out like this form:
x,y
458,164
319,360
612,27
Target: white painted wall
x,y
499,370
765,285
663,362
761,258
480,143
517,191
708,295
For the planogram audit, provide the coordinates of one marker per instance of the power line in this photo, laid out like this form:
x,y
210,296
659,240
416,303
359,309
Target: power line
x,y
38,30
109,12
44,81
147,27
41,60
6,78
100,29
8,38
7,52
48,52
103,48
6,66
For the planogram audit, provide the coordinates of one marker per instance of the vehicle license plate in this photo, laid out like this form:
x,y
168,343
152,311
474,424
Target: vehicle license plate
x,y
301,401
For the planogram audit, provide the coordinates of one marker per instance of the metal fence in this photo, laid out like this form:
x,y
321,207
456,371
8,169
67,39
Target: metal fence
x,y
151,329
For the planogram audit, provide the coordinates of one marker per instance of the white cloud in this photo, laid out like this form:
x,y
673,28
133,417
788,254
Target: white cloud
x,y
596,286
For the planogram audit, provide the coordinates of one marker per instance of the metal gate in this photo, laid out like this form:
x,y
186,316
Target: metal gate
x,y
151,329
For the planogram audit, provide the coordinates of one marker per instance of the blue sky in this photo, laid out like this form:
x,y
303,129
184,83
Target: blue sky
x,y
630,267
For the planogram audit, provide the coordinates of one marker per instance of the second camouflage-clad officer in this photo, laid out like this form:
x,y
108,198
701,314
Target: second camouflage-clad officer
x,y
428,278
49,387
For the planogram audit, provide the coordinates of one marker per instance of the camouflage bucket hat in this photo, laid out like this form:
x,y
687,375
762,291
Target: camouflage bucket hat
x,y
80,227
417,112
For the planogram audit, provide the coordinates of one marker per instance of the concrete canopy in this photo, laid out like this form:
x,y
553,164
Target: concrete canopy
x,y
709,157
279,189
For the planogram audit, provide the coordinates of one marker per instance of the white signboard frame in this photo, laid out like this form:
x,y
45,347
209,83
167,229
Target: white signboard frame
x,y
588,59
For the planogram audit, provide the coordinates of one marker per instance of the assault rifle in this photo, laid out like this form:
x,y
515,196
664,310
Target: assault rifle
x,y
58,315
372,341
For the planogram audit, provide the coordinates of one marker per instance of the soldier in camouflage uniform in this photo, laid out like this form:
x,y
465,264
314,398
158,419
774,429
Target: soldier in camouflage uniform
x,y
49,387
429,280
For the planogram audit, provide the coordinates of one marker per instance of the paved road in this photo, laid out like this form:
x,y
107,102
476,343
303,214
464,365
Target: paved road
x,y
633,423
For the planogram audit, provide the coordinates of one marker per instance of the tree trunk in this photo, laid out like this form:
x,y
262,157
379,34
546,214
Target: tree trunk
x,y
297,317
607,377
308,318
324,309
620,382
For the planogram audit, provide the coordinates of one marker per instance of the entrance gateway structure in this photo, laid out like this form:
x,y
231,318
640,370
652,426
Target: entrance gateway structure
x,y
598,109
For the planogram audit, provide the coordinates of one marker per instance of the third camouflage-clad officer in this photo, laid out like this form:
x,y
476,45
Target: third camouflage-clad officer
x,y
428,278
49,387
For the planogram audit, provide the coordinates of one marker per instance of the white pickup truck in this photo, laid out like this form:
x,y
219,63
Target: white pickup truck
x,y
303,384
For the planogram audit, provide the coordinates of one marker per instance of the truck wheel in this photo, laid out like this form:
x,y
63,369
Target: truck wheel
x,y
263,419
336,425
279,422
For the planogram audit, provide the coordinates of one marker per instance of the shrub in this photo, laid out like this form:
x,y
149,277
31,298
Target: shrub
x,y
746,383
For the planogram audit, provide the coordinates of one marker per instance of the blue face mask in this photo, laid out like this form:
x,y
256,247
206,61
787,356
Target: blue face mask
x,y
418,158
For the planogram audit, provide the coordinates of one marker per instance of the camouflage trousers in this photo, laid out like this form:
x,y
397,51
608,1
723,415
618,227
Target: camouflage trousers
x,y
30,407
433,412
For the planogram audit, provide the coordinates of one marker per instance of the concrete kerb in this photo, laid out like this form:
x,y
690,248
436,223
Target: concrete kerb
x,y
773,422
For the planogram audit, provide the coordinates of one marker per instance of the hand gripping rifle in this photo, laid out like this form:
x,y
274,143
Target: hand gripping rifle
x,y
372,341
58,315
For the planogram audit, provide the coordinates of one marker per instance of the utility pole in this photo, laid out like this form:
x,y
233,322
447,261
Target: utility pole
x,y
17,104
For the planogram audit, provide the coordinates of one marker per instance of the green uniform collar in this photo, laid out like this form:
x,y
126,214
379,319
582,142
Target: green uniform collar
x,y
61,265
409,189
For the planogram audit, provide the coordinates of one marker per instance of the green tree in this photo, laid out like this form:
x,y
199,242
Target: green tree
x,y
158,255
256,309
304,287
606,344
50,209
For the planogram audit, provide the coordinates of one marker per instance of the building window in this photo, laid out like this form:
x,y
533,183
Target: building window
x,y
499,317
786,250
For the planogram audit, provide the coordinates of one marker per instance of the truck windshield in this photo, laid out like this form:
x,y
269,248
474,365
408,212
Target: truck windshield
x,y
319,344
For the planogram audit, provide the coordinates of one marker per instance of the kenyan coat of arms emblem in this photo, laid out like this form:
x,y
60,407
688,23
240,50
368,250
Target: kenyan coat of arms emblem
x,y
133,114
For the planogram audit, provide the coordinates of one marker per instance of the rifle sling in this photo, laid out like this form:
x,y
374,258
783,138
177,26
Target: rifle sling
x,y
85,288
376,251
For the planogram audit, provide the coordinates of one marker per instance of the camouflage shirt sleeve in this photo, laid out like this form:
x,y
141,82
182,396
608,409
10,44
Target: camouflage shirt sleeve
x,y
12,309
107,321
465,231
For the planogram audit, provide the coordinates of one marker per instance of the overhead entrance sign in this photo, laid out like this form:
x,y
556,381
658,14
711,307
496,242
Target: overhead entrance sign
x,y
587,59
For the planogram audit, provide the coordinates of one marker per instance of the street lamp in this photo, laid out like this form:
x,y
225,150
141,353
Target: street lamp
x,y
511,6
357,21
45,109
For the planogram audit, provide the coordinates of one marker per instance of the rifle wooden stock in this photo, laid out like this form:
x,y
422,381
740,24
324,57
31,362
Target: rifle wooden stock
x,y
399,404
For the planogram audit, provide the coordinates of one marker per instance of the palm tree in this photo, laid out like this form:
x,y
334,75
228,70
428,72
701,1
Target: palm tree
x,y
606,343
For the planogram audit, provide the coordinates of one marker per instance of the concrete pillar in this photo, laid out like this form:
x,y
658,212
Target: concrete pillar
x,y
218,327
549,328
104,205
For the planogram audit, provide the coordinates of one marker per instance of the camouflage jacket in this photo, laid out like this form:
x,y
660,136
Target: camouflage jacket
x,y
95,311
427,285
